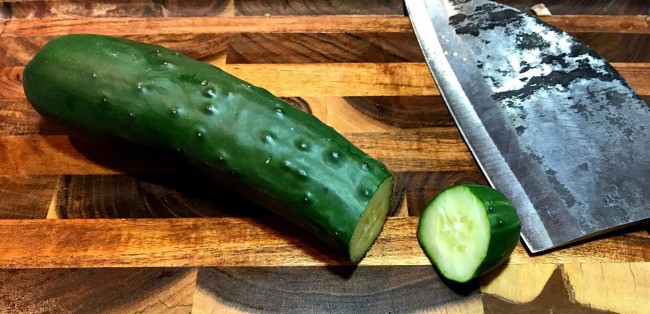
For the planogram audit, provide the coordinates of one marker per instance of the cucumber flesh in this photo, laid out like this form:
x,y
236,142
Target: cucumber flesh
x,y
468,230
371,221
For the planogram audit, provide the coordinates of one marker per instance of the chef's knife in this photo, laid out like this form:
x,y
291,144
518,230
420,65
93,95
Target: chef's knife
x,y
551,124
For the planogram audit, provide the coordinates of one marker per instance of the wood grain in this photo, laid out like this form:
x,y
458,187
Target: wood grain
x,y
178,195
18,51
339,79
324,47
616,287
277,48
318,7
571,287
26,197
282,24
305,80
65,243
345,114
430,149
206,25
619,47
558,7
555,297
99,290
635,24
336,289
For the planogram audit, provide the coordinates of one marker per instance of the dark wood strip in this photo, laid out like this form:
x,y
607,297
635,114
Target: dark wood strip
x,y
318,7
324,47
183,242
20,50
178,195
26,197
421,187
404,111
100,290
619,47
118,8
336,289
275,48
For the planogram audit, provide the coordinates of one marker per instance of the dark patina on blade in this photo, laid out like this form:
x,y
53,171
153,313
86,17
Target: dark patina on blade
x,y
552,124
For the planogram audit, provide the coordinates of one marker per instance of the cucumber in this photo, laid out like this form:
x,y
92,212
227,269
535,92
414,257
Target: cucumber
x,y
240,136
468,230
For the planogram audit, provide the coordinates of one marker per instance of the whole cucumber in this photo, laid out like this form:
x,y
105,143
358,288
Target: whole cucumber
x,y
240,135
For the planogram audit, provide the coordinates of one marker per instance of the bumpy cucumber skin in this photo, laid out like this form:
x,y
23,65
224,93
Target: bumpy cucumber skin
x,y
239,134
504,227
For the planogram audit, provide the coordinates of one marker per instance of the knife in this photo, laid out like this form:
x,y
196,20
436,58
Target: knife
x,y
550,123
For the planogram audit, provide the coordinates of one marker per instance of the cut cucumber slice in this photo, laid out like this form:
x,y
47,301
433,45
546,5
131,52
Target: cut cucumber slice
x,y
371,221
468,230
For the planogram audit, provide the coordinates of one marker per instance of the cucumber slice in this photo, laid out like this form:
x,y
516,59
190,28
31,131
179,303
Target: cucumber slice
x,y
371,221
468,230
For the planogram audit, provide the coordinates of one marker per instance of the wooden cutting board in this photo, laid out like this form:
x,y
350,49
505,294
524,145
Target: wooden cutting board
x,y
88,230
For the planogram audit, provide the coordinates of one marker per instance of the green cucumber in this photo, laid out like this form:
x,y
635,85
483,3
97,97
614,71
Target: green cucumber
x,y
241,136
468,230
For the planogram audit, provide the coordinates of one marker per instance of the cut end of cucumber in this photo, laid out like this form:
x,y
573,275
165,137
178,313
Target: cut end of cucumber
x,y
455,233
371,221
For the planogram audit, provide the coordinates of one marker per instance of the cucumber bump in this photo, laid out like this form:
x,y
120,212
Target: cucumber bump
x,y
468,230
106,89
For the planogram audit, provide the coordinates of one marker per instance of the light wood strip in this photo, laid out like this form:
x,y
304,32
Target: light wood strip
x,y
436,149
304,80
636,24
213,25
339,79
60,243
286,24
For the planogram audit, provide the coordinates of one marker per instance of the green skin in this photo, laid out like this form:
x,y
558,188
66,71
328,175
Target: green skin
x,y
240,135
504,227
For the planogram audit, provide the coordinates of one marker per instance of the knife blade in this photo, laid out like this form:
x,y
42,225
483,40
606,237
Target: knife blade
x,y
550,123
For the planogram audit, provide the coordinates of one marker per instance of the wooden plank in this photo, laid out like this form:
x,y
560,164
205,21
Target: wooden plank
x,y
605,7
177,195
206,25
571,287
616,287
345,114
306,80
283,24
118,8
428,149
26,197
52,155
318,7
107,290
206,47
182,242
323,47
619,47
339,79
335,289
316,47
635,24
